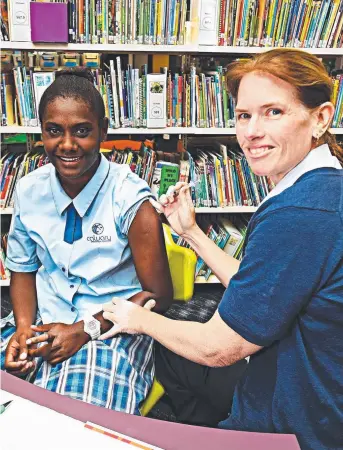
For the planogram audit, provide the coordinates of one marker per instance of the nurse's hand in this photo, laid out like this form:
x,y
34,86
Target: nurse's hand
x,y
177,206
61,341
126,316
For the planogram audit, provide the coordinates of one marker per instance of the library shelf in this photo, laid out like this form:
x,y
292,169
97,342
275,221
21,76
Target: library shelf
x,y
169,130
6,211
4,283
253,50
212,280
103,48
226,210
141,48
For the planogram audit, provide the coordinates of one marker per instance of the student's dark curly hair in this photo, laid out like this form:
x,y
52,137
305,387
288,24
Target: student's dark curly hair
x,y
75,83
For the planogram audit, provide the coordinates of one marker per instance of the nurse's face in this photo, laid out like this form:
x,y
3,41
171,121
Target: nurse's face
x,y
273,128
71,137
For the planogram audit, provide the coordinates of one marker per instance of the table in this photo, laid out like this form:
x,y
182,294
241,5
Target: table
x,y
168,435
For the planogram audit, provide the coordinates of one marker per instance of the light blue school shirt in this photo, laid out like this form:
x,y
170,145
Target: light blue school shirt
x,y
76,279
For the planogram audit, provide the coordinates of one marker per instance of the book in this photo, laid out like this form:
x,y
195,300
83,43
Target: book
x,y
156,100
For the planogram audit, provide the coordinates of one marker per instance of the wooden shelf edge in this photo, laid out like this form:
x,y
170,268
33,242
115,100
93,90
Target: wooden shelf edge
x,y
212,280
171,130
141,48
6,211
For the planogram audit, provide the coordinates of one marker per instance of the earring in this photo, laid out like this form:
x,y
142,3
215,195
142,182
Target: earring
x,y
317,136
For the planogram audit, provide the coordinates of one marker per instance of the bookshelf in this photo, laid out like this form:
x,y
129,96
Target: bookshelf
x,y
204,210
6,211
188,51
186,131
164,49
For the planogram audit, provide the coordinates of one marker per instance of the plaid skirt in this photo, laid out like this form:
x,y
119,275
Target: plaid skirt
x,y
115,373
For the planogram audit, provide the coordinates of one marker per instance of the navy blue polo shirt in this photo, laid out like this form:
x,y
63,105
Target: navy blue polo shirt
x,y
288,297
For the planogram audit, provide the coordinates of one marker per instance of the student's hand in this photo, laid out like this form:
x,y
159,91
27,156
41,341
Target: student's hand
x,y
126,316
17,360
62,341
177,206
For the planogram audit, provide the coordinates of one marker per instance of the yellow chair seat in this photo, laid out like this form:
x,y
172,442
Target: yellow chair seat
x,y
155,393
182,263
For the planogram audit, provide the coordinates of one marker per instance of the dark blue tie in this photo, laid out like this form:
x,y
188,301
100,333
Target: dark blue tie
x,y
73,229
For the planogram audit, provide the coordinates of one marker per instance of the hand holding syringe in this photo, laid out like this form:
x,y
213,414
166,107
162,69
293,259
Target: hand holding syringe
x,y
177,206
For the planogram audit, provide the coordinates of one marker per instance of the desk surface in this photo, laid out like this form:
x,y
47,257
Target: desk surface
x,y
168,435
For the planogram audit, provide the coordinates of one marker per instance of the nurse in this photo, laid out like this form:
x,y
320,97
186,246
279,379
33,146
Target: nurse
x,y
81,233
283,305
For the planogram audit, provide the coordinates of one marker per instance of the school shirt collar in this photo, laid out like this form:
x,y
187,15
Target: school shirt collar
x,y
317,158
84,199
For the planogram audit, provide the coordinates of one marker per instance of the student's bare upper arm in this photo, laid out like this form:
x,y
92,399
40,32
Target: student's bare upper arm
x,y
149,254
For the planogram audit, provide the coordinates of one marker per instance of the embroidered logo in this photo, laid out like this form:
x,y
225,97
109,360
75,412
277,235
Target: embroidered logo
x,y
97,228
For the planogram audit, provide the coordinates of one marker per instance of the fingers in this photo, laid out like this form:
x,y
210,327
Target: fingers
x,y
22,347
108,315
45,337
150,304
109,307
42,351
24,371
42,328
173,192
110,333
159,208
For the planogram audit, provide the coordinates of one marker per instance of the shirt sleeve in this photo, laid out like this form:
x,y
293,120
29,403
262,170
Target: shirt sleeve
x,y
21,249
285,263
134,192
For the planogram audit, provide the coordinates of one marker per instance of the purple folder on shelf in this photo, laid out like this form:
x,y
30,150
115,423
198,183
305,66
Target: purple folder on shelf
x,y
49,22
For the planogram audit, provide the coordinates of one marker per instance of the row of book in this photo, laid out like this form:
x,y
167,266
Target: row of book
x,y
227,231
219,175
183,100
280,23
135,99
13,167
4,272
106,21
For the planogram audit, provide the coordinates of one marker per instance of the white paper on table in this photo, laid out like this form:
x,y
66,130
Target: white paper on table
x,y
27,425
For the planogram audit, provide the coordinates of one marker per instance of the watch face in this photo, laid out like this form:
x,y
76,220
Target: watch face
x,y
92,325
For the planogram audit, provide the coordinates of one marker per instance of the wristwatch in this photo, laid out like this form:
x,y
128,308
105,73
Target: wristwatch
x,y
91,326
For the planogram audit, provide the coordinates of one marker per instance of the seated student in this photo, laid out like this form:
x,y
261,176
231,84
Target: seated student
x,y
81,233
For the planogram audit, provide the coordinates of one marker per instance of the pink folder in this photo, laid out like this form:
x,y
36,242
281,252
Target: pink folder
x,y
49,22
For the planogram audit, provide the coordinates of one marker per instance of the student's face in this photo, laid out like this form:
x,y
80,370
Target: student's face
x,y
273,128
71,137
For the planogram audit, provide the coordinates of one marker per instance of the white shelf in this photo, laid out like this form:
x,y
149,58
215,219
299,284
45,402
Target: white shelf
x,y
8,211
104,48
139,48
212,280
254,50
169,130
227,210
4,282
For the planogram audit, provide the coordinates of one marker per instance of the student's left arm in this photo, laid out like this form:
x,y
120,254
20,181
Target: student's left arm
x,y
147,245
